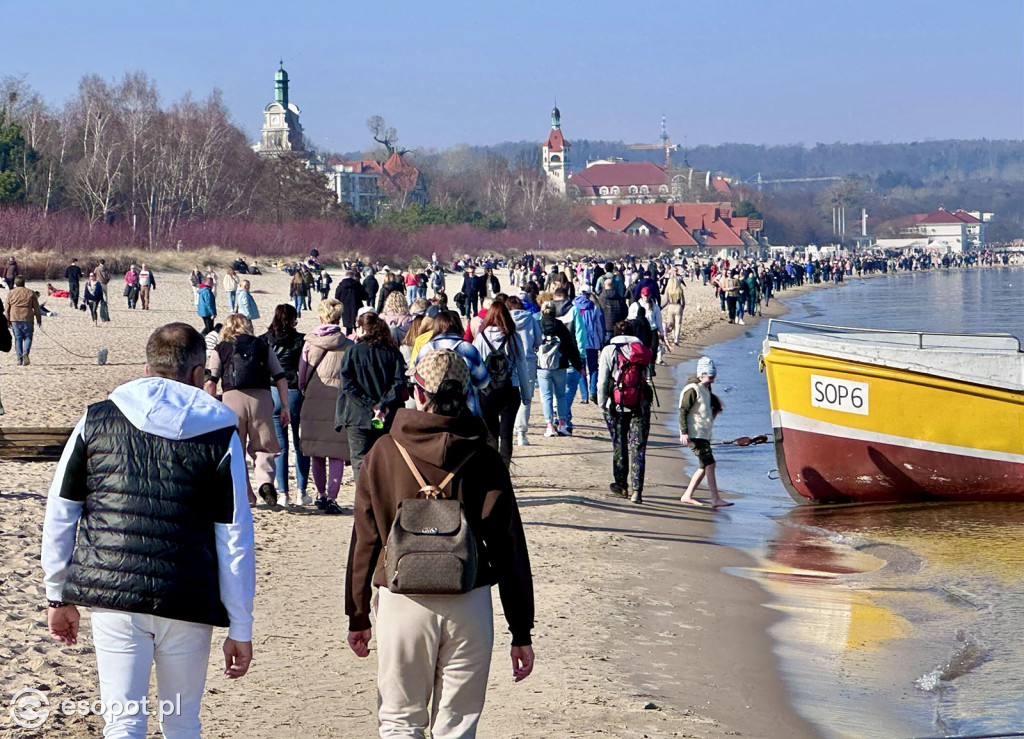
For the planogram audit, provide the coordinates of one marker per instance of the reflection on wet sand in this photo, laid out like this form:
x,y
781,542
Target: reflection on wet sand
x,y
888,598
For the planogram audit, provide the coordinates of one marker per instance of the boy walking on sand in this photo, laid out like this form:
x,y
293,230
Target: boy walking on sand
x,y
698,407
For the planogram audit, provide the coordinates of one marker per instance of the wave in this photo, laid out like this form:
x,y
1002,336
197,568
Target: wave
x,y
967,656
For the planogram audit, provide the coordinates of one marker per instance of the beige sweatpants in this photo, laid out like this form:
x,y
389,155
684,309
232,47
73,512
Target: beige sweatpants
x,y
433,644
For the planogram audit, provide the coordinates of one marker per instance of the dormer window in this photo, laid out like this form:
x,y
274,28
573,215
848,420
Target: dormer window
x,y
615,190
644,189
633,190
663,189
604,190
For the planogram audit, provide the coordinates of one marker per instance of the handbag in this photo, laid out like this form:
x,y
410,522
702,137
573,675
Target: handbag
x,y
430,549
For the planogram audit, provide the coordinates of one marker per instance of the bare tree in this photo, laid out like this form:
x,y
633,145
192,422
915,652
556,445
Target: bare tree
x,y
136,104
500,186
385,135
99,171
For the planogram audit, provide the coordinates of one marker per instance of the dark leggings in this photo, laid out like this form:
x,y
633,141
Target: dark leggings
x,y
730,304
499,410
207,324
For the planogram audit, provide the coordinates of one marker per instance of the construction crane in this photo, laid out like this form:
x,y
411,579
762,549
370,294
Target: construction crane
x,y
666,144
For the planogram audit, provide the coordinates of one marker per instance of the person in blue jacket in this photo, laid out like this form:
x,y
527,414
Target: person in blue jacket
x,y
206,304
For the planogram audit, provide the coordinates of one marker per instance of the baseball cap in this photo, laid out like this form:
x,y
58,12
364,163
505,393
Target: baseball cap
x,y
645,291
433,368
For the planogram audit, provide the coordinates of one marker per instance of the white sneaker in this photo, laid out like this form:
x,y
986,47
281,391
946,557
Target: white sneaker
x,y
302,498
740,322
550,431
521,439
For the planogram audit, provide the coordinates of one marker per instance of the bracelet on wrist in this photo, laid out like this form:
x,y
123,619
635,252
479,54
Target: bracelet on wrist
x,y
56,603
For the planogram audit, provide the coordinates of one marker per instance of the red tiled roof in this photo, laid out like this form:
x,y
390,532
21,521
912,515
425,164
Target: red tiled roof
x,y
941,216
399,174
721,185
622,174
964,216
555,142
675,222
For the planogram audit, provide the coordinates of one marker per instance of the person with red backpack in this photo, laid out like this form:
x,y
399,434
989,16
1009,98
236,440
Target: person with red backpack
x,y
625,394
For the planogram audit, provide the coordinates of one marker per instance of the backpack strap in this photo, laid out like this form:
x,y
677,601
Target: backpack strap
x,y
424,485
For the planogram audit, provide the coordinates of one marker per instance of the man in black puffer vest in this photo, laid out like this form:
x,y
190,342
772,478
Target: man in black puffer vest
x,y
153,480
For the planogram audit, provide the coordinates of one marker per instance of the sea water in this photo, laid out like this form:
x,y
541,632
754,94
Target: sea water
x,y
898,620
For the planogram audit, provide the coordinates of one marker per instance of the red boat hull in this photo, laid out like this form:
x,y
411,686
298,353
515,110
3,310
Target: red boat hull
x,y
821,468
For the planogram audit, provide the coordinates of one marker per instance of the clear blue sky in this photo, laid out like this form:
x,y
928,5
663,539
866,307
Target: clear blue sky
x,y
450,72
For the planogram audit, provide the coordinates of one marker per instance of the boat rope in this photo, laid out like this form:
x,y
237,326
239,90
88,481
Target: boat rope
x,y
744,441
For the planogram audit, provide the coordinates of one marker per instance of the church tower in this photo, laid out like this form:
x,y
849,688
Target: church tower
x,y
282,132
555,154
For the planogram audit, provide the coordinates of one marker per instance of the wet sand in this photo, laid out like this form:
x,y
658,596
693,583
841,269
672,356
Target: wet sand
x,y
639,631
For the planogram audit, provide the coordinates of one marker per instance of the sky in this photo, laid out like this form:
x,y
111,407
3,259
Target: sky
x,y
455,72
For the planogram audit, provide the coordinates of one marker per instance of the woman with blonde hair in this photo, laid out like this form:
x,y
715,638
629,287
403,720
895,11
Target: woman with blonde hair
x,y
246,367
320,382
672,307
396,315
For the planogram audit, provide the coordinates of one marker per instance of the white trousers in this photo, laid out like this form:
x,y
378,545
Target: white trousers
x,y
127,645
433,644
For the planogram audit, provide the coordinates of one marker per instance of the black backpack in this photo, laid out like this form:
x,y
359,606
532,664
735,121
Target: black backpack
x,y
498,365
245,363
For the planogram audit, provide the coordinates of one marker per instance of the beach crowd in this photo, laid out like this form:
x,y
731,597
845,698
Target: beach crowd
x,y
421,396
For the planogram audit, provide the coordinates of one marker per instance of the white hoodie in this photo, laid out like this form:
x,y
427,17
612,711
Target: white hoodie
x,y
171,410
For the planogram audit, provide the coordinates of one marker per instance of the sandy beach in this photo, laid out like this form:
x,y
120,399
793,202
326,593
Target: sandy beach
x,y
639,631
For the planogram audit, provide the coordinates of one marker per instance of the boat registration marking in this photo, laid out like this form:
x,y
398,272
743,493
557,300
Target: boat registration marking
x,y
835,394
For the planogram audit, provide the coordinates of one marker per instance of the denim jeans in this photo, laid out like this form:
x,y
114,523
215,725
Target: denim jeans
x,y
281,460
585,381
298,301
231,299
574,380
552,393
360,442
523,415
22,338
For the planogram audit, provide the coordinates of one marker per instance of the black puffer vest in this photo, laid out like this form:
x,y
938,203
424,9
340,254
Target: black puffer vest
x,y
146,539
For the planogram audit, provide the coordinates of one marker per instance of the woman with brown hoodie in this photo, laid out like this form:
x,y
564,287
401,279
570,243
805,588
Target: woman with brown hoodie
x,y
320,381
438,644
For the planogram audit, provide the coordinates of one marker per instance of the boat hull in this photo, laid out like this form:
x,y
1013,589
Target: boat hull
x,y
913,437
823,468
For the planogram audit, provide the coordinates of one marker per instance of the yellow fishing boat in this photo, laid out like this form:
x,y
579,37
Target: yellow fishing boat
x,y
866,415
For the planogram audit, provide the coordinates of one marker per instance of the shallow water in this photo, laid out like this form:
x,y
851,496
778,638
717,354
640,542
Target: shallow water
x,y
901,620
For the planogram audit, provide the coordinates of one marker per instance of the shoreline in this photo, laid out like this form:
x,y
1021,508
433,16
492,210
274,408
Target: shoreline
x,y
622,623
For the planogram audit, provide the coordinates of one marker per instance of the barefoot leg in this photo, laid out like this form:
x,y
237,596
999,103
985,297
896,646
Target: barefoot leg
x,y
716,499
687,498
